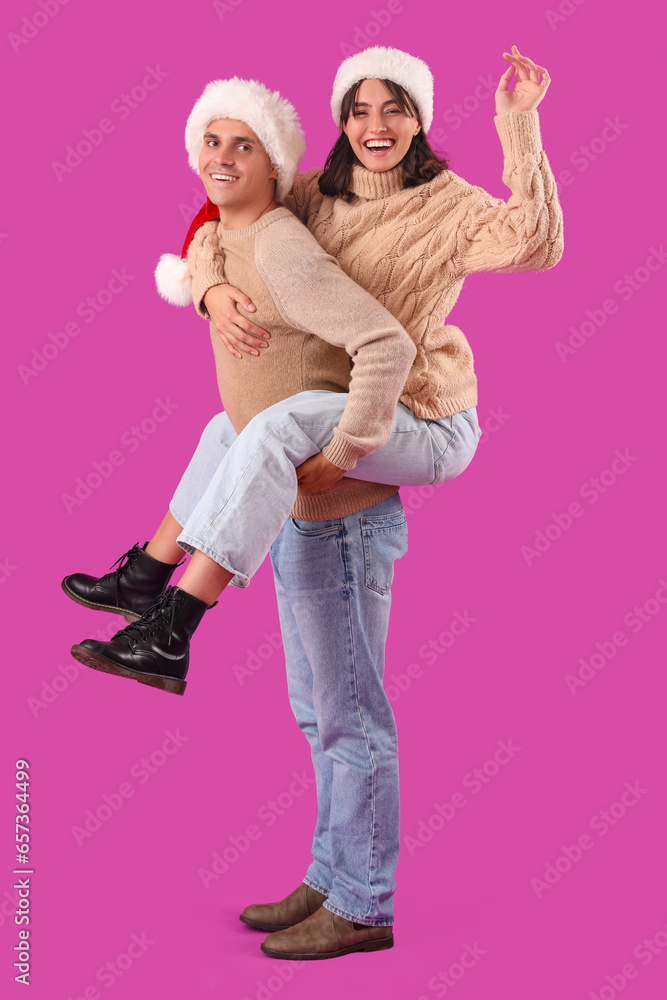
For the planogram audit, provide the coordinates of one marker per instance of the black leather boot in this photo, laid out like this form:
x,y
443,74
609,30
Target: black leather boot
x,y
153,650
129,591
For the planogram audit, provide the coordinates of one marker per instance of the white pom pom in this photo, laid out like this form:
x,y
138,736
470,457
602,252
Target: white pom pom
x,y
173,280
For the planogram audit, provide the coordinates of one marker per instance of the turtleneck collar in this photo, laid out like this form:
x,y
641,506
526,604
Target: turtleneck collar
x,y
371,184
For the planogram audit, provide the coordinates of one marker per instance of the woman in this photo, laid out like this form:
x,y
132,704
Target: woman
x,y
409,233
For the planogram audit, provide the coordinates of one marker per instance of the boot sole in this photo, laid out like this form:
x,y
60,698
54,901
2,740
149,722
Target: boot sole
x,y
259,926
129,616
296,956
98,662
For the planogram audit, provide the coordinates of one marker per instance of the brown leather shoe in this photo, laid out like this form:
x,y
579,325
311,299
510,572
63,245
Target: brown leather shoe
x,y
291,910
326,935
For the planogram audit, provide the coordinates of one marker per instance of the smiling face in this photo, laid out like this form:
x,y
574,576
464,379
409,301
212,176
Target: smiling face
x,y
235,168
379,130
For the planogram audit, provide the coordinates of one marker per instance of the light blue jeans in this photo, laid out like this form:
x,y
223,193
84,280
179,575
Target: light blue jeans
x,y
237,492
333,582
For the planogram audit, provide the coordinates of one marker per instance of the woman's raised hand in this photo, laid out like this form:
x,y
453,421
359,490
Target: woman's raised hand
x,y
236,331
528,90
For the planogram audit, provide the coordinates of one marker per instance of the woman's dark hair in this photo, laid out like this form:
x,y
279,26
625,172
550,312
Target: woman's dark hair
x,y
420,163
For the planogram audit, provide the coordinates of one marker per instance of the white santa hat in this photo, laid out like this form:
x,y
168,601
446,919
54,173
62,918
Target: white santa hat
x,y
380,63
275,123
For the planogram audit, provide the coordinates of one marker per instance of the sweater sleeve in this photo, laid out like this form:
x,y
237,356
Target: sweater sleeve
x,y
299,198
526,232
206,261
313,294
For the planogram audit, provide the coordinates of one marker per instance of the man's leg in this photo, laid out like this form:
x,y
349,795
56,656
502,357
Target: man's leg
x,y
313,890
300,689
335,579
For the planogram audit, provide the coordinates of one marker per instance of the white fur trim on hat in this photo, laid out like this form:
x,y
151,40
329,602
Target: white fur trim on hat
x,y
380,63
173,279
273,120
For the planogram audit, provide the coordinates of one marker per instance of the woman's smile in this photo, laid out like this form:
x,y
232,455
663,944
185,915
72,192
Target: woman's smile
x,y
379,147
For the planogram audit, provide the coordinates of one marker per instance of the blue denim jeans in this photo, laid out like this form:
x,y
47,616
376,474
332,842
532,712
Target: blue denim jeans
x,y
333,582
237,492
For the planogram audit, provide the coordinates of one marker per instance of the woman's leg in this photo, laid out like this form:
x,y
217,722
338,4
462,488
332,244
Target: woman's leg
x,y
333,580
417,449
143,573
163,545
217,438
254,488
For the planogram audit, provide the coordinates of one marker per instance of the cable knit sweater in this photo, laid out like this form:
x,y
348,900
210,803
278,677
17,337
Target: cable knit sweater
x,y
412,248
319,319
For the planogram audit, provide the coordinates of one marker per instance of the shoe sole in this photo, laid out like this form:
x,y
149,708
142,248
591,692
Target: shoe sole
x,y
129,616
98,662
296,956
259,926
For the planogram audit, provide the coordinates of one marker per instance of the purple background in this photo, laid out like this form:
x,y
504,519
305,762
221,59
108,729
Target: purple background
x,y
552,426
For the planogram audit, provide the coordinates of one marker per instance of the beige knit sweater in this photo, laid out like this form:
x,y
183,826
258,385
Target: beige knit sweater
x,y
319,320
411,248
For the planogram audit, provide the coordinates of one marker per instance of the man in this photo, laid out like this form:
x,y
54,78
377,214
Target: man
x,y
247,145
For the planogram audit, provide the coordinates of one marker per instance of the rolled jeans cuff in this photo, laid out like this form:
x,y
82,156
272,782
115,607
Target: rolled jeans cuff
x,y
192,545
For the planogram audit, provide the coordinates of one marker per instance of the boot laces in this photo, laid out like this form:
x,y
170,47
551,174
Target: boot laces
x,y
122,564
153,619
